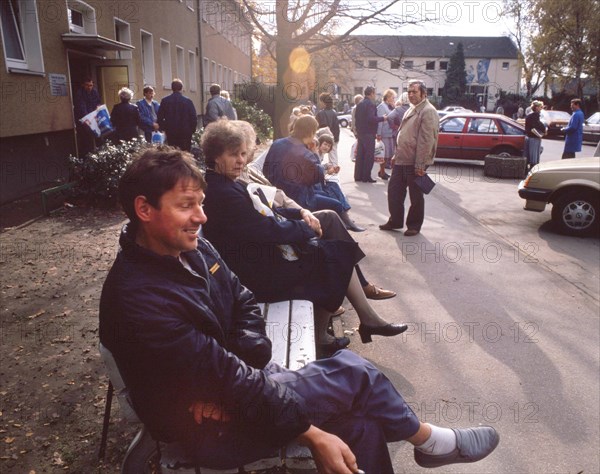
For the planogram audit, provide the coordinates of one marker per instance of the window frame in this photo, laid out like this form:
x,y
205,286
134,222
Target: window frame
x,y
121,23
430,65
165,64
372,65
193,74
148,78
27,30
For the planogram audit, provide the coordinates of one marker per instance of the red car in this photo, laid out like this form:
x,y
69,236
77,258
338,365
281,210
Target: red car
x,y
473,136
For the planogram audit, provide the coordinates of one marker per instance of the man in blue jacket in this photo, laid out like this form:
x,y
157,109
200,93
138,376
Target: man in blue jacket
x,y
177,117
573,131
366,121
148,108
190,343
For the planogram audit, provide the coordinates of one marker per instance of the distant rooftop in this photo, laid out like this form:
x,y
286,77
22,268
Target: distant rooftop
x,y
436,46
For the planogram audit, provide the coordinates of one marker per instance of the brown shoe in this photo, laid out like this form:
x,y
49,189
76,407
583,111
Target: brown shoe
x,y
338,312
411,232
374,293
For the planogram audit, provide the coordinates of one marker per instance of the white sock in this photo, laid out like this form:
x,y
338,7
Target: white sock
x,y
441,441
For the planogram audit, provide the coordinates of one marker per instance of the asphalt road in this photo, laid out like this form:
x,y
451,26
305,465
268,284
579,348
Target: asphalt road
x,y
503,318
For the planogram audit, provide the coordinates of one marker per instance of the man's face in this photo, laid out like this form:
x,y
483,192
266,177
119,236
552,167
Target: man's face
x,y
149,95
88,86
324,148
232,161
574,106
174,227
415,95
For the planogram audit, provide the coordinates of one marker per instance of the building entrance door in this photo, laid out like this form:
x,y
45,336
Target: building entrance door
x,y
110,80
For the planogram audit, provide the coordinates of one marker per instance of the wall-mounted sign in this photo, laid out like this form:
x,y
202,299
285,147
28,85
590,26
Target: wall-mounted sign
x,y
58,84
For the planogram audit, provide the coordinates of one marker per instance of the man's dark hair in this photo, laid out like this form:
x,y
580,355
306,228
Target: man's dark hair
x,y
369,90
576,102
215,89
152,173
220,136
148,89
421,84
177,85
326,98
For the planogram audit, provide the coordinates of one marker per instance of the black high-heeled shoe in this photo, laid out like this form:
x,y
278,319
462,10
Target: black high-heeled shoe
x,y
388,330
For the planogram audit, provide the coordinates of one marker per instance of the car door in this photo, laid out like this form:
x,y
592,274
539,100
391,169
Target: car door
x,y
450,137
480,137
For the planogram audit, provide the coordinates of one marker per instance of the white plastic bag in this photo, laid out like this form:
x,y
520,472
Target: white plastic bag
x,y
353,150
158,138
98,121
379,149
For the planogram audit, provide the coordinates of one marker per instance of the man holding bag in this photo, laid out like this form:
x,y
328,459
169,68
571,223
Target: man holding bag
x,y
86,100
415,150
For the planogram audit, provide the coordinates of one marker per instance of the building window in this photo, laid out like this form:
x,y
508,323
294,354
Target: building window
x,y
123,35
21,35
82,17
443,65
220,75
395,89
505,66
441,91
360,64
429,91
148,73
206,70
372,63
430,66
409,64
394,64
358,91
192,69
179,64
165,63
213,76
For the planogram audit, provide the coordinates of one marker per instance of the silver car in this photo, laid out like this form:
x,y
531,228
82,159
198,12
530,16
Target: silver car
x,y
572,187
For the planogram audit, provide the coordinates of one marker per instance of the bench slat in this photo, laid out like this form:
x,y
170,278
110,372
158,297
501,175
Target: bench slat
x,y
302,334
277,316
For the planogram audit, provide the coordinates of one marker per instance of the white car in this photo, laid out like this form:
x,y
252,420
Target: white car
x,y
344,119
572,187
591,128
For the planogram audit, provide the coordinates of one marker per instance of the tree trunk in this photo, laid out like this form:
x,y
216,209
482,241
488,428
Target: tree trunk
x,y
285,91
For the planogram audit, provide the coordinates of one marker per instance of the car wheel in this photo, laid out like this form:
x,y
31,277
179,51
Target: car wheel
x,y
504,151
576,213
344,123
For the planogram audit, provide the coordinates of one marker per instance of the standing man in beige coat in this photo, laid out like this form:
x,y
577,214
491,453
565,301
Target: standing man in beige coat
x,y
416,146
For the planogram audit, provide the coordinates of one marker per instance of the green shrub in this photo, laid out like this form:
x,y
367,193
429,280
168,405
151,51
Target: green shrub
x,y
262,123
98,173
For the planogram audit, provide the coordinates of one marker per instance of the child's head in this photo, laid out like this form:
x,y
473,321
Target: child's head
x,y
325,143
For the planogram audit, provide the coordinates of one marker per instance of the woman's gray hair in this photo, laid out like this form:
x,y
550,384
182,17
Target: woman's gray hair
x,y
125,93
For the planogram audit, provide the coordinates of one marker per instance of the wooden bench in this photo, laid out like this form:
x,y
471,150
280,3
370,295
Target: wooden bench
x,y
290,326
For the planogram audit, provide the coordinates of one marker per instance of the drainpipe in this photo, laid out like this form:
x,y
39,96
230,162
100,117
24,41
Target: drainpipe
x,y
201,58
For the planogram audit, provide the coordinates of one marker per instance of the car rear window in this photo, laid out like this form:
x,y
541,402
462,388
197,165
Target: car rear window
x,y
509,129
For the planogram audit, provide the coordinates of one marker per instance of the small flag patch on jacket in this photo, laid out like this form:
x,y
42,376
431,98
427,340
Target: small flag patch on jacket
x,y
214,268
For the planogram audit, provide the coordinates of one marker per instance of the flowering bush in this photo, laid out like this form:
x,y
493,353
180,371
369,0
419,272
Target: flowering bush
x,y
262,123
98,173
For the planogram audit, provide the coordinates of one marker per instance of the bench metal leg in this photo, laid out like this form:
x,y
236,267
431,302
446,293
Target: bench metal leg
x,y
107,408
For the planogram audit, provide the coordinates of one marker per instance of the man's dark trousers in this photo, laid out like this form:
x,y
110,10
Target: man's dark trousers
x,y
365,157
403,177
344,395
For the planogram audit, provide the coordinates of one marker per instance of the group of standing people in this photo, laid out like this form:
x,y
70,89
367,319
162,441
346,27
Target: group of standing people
x,y
409,134
175,115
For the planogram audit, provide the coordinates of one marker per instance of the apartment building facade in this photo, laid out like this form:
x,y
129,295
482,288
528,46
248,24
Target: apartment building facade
x,y
389,62
50,46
